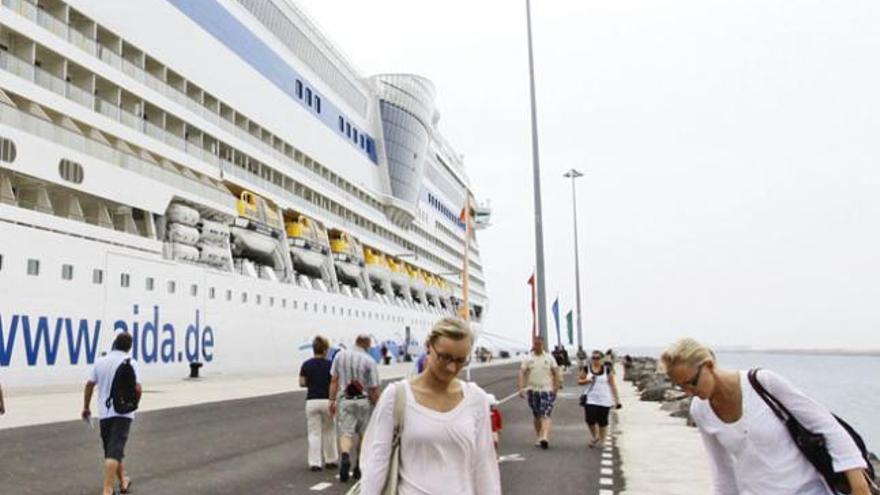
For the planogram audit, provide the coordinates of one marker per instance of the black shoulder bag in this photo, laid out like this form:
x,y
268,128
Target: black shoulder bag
x,y
812,445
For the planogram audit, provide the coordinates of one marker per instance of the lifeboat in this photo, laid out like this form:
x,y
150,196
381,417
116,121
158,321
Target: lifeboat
x,y
308,243
377,268
255,233
399,278
348,256
416,283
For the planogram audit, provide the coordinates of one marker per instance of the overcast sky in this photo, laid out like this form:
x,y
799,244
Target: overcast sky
x,y
730,150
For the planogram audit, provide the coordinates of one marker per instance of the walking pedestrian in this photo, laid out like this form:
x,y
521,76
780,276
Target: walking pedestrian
x,y
354,389
581,357
599,395
315,375
750,450
539,380
446,437
119,389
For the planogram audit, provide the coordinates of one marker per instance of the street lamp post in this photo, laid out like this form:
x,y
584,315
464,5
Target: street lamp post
x,y
574,174
536,172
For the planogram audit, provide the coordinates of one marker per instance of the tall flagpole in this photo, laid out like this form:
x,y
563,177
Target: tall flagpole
x,y
574,174
465,275
539,229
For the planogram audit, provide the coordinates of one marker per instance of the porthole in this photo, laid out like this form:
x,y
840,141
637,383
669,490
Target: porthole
x,y
70,171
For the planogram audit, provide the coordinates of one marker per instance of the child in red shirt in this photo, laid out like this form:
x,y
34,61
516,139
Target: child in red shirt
x,y
495,415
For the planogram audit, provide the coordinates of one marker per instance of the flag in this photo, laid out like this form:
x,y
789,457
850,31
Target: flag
x,y
534,319
569,318
556,319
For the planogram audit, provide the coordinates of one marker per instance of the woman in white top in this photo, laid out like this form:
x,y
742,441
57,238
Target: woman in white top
x,y
601,395
750,449
446,445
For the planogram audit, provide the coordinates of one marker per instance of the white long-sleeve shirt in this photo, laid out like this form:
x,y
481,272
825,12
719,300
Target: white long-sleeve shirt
x,y
441,452
755,455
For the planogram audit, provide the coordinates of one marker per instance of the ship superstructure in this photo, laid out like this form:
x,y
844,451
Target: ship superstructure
x,y
215,178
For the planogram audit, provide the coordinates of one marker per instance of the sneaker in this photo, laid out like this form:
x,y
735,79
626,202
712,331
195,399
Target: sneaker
x,y
344,465
356,473
544,444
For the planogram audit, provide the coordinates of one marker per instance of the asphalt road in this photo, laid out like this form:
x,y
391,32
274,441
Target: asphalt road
x,y
258,445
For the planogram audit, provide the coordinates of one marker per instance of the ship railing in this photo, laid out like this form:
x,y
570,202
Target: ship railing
x,y
66,137
52,23
23,8
16,66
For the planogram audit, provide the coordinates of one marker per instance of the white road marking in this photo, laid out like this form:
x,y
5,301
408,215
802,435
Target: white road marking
x,y
607,463
511,458
502,401
321,486
606,492
606,471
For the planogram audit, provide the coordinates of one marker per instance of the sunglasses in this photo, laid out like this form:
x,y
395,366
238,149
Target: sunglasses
x,y
597,356
447,359
696,380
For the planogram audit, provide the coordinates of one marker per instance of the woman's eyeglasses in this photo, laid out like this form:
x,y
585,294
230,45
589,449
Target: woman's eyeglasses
x,y
447,359
692,384
597,356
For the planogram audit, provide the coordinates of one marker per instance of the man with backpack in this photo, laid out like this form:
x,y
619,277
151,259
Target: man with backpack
x,y
119,390
354,390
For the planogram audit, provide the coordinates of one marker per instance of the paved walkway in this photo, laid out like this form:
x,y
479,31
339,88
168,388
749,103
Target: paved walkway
x,y
661,455
257,445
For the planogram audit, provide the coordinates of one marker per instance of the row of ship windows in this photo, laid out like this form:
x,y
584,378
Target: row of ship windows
x,y
312,101
352,133
67,273
439,206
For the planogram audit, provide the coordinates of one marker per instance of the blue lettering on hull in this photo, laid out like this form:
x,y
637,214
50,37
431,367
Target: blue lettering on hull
x,y
47,341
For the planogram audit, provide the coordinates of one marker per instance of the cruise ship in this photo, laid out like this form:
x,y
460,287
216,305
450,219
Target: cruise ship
x,y
215,178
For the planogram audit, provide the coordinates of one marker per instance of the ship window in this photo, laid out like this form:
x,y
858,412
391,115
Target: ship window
x,y
341,124
362,141
124,280
193,290
315,307
348,129
308,97
244,297
317,103
7,150
172,286
97,276
212,293
259,299
333,310
325,309
299,89
70,171
33,267
1,262
354,135
67,272
349,311
284,303
295,304
228,295
271,301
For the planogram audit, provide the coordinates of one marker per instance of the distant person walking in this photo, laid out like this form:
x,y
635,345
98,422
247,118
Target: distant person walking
x,y
539,380
446,439
598,397
581,356
315,375
354,389
750,449
119,390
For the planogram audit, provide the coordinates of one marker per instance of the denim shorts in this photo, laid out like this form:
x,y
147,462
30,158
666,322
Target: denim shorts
x,y
541,403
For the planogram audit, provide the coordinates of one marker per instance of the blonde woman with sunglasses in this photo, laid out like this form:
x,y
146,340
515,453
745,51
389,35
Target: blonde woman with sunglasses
x,y
446,445
750,449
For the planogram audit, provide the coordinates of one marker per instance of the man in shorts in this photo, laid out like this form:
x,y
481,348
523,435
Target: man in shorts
x,y
354,390
114,426
539,380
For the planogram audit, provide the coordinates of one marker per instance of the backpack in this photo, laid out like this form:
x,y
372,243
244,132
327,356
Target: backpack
x,y
123,393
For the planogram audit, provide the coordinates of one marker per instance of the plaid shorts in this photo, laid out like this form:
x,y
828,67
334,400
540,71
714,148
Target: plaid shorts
x,y
541,403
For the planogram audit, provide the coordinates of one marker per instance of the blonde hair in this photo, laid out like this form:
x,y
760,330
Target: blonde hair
x,y
687,352
451,328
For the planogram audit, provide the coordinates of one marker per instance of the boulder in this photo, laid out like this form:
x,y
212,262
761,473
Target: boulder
x,y
654,393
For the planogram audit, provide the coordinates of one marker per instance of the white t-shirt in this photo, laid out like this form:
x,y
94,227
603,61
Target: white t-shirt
x,y
540,372
755,455
102,375
441,452
599,390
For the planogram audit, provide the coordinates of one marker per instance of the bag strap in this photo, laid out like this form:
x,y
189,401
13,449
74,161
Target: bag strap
x,y
773,403
399,409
